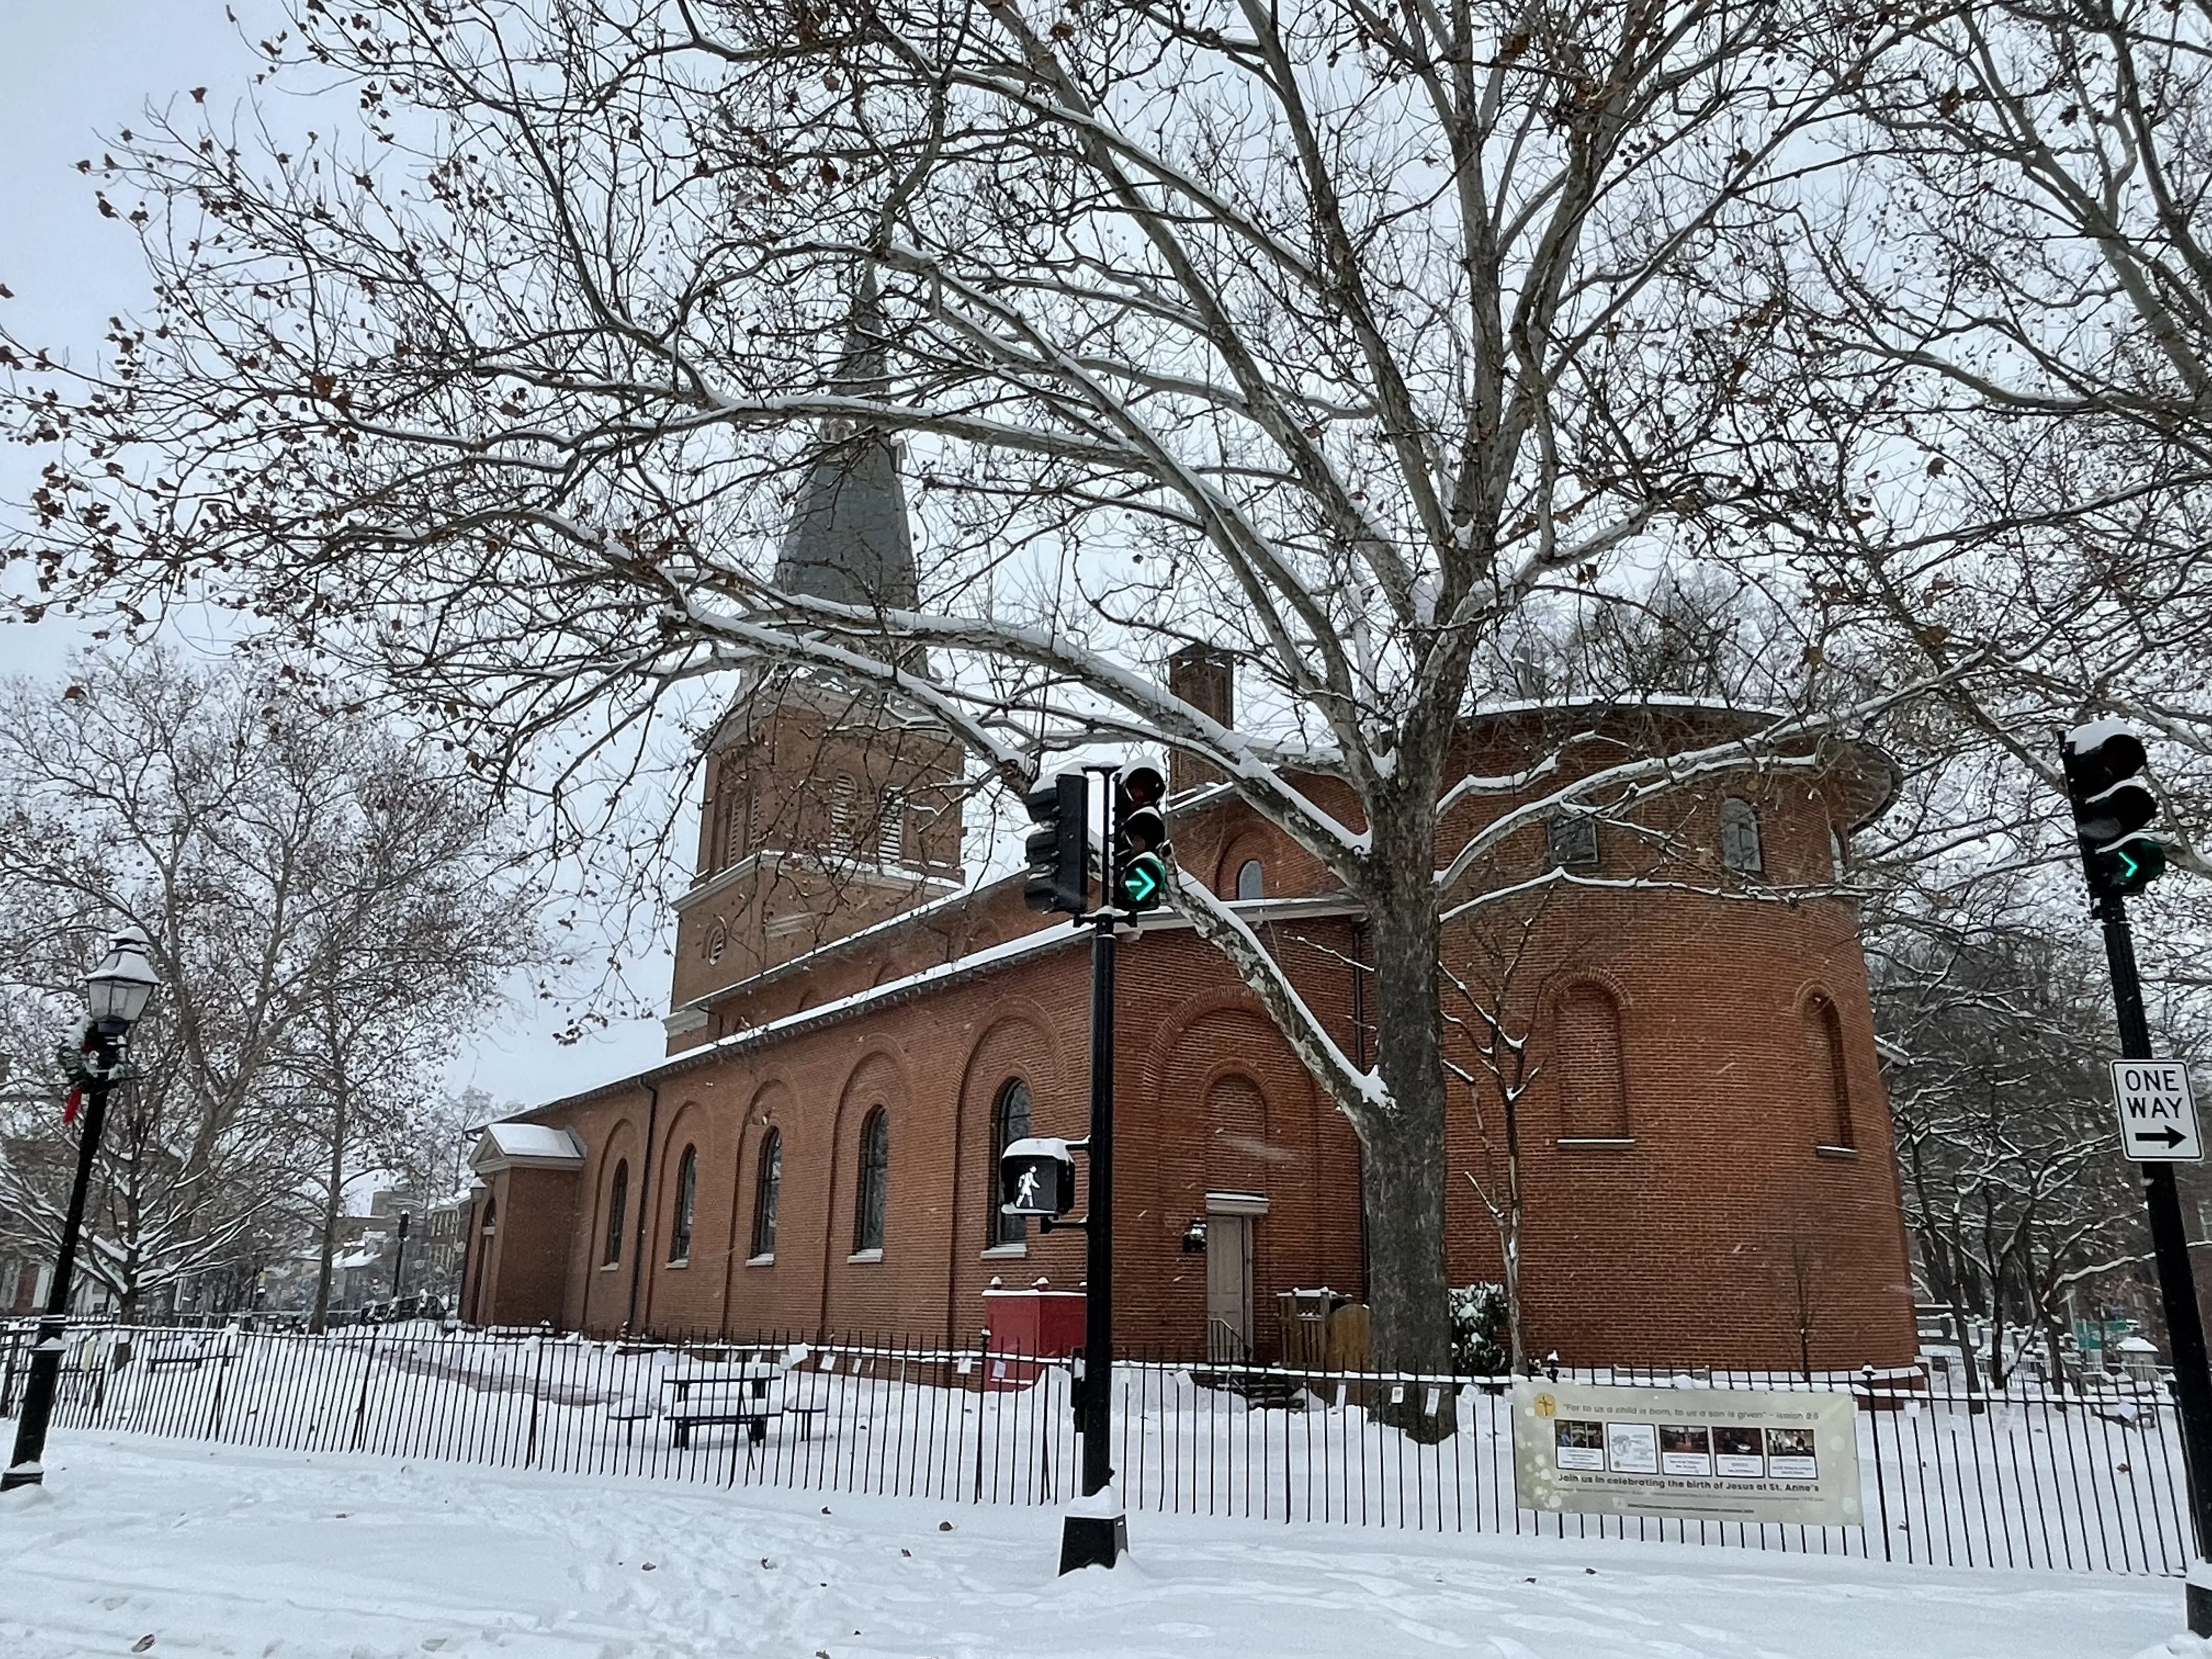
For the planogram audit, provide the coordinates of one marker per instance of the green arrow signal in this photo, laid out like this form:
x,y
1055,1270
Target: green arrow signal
x,y
1144,878
2128,867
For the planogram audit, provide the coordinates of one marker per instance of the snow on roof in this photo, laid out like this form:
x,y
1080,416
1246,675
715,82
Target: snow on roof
x,y
538,1143
991,956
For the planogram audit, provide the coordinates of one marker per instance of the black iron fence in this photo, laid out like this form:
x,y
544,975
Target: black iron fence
x,y
2072,1481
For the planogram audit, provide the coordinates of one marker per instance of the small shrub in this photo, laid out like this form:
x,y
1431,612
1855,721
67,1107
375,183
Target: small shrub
x,y
1479,1331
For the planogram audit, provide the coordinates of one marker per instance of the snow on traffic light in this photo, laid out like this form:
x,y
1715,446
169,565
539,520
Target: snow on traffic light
x,y
2112,805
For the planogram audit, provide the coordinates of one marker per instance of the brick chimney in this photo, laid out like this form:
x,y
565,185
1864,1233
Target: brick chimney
x,y
1205,677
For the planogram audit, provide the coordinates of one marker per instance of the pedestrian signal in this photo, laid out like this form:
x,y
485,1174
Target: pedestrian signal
x,y
1037,1176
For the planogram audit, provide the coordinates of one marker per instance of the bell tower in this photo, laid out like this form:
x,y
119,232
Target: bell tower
x,y
829,806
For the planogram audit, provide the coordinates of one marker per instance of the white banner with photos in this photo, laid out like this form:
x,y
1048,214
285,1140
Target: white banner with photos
x,y
1699,1453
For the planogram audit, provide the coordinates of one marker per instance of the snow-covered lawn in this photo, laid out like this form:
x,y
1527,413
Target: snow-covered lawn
x,y
281,1554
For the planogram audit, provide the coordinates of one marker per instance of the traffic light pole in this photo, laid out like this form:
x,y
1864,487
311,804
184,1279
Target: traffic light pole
x,y
1097,1533
1132,877
2176,1280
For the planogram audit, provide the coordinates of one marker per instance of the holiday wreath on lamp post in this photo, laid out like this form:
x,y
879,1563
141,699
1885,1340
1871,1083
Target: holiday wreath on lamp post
x,y
78,1070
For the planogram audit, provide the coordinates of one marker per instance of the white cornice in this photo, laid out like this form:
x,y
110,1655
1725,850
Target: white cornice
x,y
851,869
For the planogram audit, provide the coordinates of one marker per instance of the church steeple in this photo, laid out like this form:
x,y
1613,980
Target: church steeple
x,y
847,541
829,806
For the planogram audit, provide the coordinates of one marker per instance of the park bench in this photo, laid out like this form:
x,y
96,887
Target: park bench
x,y
751,1392
189,1352
629,1412
700,1403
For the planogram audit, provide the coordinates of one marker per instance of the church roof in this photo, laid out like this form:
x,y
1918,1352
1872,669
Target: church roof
x,y
937,976
534,1145
847,541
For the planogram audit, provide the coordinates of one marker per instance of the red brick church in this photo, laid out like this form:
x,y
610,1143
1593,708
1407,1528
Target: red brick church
x,y
854,1031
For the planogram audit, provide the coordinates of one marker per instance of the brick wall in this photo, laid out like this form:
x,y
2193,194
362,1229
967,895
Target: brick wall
x,y
524,1270
1710,1231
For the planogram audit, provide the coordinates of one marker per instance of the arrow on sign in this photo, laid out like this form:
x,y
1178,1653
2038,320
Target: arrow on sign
x,y
2169,1134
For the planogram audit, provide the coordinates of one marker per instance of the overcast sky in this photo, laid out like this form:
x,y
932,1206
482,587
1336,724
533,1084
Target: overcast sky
x,y
70,71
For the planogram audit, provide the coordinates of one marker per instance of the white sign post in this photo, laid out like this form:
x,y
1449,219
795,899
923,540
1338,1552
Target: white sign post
x,y
2158,1115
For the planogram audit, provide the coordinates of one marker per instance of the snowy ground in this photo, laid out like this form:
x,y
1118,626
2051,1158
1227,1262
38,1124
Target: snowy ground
x,y
279,1555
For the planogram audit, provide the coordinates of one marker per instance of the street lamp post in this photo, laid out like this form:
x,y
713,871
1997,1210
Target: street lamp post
x,y
399,1256
115,992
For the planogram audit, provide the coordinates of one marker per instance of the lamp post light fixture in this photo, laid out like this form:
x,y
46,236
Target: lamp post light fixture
x,y
116,992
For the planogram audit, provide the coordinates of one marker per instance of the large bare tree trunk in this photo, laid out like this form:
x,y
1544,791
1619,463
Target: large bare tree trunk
x,y
1405,1165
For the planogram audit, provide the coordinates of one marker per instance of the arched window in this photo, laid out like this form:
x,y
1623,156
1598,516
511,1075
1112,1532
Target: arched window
x,y
1237,1152
1831,1089
482,1268
1592,1078
1251,880
1010,1122
686,1198
874,1184
1740,836
718,940
617,1202
768,1183
1838,855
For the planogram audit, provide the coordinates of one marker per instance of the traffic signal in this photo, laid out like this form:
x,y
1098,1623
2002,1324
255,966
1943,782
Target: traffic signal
x,y
1037,1176
1140,838
2111,805
1058,848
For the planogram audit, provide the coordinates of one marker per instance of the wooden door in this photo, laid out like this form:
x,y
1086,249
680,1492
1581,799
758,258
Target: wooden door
x,y
1228,1288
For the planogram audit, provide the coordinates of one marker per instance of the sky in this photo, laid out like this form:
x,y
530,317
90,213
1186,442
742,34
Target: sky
x,y
71,70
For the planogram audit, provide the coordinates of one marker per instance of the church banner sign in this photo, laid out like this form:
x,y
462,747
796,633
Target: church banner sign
x,y
1696,1453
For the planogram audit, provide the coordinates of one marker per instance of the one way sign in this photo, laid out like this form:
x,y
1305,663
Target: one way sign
x,y
2158,1117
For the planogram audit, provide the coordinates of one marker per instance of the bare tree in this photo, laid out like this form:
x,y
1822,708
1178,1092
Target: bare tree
x,y
1799,1265
1990,434
1351,339
2013,1189
313,887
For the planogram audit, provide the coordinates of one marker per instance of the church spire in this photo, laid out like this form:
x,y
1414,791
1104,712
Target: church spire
x,y
847,541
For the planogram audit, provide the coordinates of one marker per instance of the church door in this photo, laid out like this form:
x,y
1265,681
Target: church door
x,y
1228,1288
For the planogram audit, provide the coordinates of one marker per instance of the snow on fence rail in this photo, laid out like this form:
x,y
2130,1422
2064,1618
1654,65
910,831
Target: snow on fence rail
x,y
2033,1478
